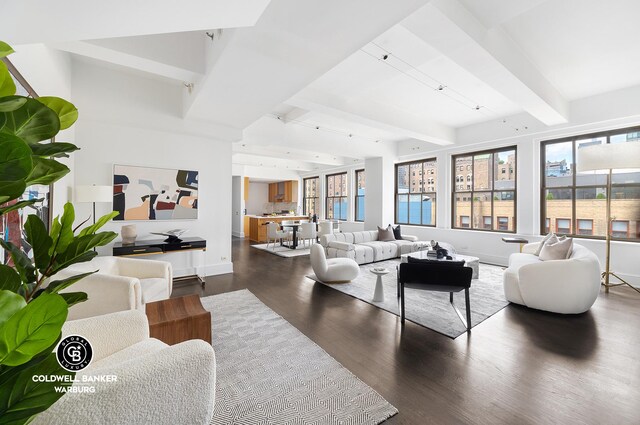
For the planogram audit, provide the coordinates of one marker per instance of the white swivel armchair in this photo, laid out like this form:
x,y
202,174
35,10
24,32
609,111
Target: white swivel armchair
x,y
334,270
120,284
155,383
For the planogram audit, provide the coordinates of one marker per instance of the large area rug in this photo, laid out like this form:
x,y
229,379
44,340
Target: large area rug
x,y
426,308
282,251
268,372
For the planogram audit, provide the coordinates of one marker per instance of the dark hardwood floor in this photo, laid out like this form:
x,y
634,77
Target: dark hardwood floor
x,y
520,366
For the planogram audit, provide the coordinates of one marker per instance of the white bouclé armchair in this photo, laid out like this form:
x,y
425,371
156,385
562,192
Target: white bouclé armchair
x,y
155,383
120,284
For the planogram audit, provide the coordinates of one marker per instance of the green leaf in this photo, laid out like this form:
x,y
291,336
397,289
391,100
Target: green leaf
x,y
7,86
73,298
32,329
80,258
10,304
46,171
21,262
32,122
40,241
21,398
11,190
65,236
11,103
58,285
66,111
15,158
20,205
101,222
56,150
5,49
9,279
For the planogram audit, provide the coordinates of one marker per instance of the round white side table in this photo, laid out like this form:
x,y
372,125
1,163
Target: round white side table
x,y
378,293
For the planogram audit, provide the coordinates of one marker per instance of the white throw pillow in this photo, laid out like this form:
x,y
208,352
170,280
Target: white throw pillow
x,y
542,242
560,250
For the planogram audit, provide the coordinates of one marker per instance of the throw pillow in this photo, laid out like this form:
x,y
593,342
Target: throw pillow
x,y
450,263
396,232
560,250
385,234
542,242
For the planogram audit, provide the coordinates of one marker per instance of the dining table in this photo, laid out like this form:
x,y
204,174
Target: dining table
x,y
294,237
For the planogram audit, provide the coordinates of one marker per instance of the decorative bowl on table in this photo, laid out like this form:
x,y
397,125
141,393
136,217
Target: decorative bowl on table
x,y
173,236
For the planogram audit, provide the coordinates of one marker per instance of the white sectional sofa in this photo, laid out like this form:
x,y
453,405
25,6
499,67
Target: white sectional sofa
x,y
568,286
364,247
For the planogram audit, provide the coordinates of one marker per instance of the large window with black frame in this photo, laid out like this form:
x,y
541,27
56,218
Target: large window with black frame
x,y
360,189
416,184
310,195
576,203
336,197
484,190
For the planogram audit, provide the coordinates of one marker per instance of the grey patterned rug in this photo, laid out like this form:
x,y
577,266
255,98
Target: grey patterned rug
x,y
268,372
430,309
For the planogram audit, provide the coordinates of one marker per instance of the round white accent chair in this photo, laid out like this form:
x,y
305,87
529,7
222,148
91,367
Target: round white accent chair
x,y
568,286
334,270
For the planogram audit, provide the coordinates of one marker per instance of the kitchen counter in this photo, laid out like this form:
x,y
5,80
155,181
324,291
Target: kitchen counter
x,y
258,230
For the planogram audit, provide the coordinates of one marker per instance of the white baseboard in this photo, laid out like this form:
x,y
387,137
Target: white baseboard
x,y
209,270
237,234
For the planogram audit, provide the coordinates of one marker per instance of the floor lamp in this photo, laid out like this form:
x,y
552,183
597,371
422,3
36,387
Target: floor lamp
x,y
94,194
605,158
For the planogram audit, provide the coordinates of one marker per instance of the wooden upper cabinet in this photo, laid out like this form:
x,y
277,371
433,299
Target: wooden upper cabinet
x,y
286,191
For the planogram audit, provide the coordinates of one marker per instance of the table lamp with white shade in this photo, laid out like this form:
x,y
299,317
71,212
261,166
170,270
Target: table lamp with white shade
x,y
605,158
94,194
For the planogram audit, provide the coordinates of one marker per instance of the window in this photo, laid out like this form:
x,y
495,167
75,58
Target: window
x,y
563,225
416,198
547,223
487,222
360,187
336,196
488,199
619,229
310,195
585,227
581,198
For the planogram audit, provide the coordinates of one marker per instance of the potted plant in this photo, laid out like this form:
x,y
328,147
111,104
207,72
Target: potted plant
x,y
33,307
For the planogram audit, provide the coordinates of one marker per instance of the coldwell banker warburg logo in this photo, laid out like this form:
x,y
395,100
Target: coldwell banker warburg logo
x,y
74,353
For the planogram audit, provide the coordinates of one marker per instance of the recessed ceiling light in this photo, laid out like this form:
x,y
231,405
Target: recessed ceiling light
x,y
243,145
377,141
288,153
317,156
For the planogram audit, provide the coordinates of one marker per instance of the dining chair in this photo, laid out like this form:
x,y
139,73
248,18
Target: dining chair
x,y
275,234
325,228
307,233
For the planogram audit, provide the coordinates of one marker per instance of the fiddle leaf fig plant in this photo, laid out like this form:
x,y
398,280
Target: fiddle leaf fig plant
x,y
33,303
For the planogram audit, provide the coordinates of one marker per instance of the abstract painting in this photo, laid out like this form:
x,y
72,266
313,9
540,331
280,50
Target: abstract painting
x,y
144,193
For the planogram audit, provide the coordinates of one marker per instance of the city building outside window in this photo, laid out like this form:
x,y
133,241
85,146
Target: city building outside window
x,y
310,195
415,197
360,192
336,207
585,227
490,190
580,197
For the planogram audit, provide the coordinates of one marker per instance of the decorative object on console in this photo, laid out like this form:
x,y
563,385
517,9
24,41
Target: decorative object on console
x,y
606,158
94,194
128,233
144,193
173,236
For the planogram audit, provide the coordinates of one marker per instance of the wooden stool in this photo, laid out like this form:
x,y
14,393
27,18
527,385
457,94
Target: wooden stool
x,y
179,319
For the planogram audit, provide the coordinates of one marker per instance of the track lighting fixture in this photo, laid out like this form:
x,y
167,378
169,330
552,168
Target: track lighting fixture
x,y
189,87
440,87
385,57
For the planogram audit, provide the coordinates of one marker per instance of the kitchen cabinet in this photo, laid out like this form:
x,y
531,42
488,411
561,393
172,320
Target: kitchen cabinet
x,y
258,228
285,191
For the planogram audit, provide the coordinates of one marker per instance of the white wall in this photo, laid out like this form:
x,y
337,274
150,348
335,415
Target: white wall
x,y
258,197
237,204
128,119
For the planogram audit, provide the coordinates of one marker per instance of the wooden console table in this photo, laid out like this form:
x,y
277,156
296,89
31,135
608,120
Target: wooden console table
x,y
159,246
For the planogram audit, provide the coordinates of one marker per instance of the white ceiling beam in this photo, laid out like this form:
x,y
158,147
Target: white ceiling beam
x,y
292,44
490,55
376,116
270,162
284,152
73,20
297,114
128,60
